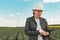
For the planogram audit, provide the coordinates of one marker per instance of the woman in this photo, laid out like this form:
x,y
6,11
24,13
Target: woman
x,y
36,27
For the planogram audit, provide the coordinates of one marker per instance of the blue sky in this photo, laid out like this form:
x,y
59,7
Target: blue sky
x,y
15,12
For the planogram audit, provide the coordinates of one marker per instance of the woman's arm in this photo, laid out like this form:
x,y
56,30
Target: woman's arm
x,y
46,28
29,32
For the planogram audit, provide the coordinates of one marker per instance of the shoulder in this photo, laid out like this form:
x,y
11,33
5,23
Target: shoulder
x,y
29,18
43,18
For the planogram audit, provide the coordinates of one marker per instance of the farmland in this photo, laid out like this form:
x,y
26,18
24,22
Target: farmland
x,y
17,33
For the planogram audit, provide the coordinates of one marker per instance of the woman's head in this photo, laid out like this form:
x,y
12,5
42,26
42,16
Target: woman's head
x,y
37,10
37,13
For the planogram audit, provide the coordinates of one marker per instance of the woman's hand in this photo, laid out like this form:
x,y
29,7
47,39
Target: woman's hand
x,y
44,33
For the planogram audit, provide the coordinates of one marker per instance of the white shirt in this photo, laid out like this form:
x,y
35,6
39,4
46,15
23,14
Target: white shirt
x,y
38,28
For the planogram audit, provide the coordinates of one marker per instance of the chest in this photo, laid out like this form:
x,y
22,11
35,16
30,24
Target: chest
x,y
33,25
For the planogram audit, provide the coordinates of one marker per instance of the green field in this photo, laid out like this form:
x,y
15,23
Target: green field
x,y
17,33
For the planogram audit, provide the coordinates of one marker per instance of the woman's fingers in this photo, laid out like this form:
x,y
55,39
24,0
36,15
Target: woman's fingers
x,y
44,33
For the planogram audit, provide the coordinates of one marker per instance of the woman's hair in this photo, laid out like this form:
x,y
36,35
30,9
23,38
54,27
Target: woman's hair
x,y
33,13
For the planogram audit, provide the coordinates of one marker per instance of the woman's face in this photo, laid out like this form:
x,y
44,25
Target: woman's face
x,y
37,12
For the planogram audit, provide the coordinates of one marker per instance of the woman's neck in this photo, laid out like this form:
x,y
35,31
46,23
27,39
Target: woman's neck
x,y
36,17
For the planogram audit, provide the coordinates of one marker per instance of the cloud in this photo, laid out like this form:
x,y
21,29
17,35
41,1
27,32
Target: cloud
x,y
53,21
1,19
21,23
11,23
11,15
27,0
50,1
18,13
5,22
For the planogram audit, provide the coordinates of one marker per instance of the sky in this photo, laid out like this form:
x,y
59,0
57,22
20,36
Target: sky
x,y
15,12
